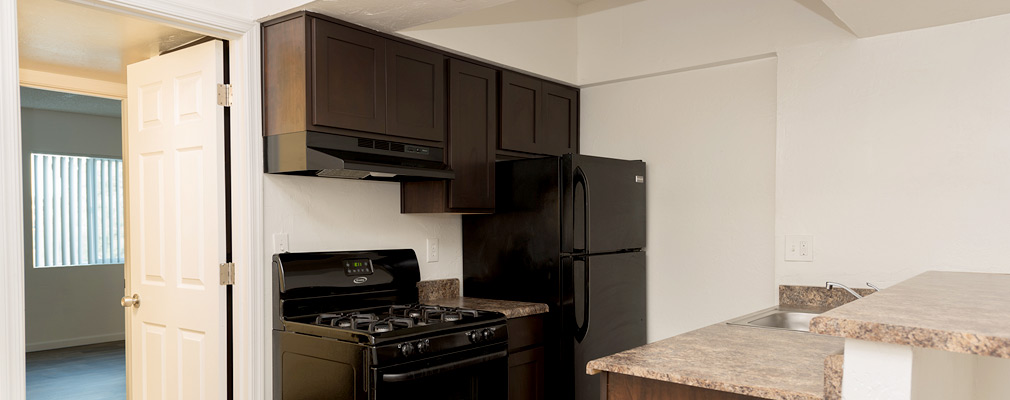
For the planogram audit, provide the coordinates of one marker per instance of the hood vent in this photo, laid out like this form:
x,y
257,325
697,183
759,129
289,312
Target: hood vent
x,y
338,156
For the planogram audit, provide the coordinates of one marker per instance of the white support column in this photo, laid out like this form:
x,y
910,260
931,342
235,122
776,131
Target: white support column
x,y
942,375
12,310
896,372
876,371
992,378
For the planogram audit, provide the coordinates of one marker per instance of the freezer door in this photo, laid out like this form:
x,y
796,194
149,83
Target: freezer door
x,y
604,312
603,208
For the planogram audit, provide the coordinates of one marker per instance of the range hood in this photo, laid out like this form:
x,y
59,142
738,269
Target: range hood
x,y
339,156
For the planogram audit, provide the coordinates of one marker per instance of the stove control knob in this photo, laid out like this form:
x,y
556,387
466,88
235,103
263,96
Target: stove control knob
x,y
423,346
488,333
474,336
407,349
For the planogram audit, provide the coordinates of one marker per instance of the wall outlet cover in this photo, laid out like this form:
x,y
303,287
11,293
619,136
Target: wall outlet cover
x,y
281,244
432,250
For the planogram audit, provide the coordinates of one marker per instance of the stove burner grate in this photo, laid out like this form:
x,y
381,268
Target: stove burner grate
x,y
395,317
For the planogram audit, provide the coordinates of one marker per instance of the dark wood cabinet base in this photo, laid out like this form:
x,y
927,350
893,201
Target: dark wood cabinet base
x,y
626,387
526,358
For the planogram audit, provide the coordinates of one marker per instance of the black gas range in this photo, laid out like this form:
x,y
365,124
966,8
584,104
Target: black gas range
x,y
347,325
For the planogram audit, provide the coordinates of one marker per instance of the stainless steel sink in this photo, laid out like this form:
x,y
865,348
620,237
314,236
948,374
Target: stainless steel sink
x,y
793,319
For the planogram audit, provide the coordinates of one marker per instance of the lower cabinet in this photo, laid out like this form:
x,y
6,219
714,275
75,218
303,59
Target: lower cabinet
x,y
526,374
526,358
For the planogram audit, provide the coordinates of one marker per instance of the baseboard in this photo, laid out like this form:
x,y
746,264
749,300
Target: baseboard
x,y
81,341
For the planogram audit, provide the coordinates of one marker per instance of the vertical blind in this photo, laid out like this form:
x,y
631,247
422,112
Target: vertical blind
x,y
77,210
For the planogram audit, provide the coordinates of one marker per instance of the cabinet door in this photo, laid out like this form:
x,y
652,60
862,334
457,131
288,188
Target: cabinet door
x,y
560,120
473,128
349,80
416,92
520,112
526,374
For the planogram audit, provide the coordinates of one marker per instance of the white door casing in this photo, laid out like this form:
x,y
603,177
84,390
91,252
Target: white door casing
x,y
175,164
251,307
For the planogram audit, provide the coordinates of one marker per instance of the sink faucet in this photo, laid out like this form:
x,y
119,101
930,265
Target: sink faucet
x,y
832,285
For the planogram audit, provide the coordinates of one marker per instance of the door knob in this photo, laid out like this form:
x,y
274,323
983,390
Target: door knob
x,y
130,301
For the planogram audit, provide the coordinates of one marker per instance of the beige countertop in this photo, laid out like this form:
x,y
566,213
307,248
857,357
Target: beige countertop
x,y
766,363
511,309
962,312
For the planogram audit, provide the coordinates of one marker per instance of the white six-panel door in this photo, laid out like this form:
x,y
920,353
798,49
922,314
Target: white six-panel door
x,y
176,220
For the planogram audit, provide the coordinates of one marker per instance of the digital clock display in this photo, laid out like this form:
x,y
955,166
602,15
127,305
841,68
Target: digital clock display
x,y
358,267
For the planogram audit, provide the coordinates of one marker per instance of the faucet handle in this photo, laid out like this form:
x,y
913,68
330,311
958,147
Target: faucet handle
x,y
872,286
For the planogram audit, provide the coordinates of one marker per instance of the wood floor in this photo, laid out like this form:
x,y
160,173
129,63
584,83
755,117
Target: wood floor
x,y
93,372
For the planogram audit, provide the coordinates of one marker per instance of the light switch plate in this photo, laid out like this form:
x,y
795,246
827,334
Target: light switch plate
x,y
800,248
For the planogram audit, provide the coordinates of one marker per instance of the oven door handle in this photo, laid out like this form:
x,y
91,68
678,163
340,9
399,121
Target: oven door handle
x,y
438,369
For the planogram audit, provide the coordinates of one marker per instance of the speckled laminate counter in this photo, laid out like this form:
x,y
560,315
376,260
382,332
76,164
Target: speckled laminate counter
x,y
766,363
438,289
817,296
445,292
511,309
962,312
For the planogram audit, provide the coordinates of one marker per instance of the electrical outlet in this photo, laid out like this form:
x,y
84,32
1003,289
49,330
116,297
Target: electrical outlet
x,y
800,248
432,249
281,244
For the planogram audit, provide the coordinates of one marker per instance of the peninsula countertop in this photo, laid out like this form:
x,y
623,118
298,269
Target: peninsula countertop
x,y
766,363
961,312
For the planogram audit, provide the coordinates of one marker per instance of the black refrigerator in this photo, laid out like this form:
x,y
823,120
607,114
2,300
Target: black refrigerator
x,y
569,232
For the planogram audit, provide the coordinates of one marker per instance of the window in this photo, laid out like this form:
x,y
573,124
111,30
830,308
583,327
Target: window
x,y
77,210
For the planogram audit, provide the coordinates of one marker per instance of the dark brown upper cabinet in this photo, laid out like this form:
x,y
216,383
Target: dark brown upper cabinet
x,y
473,130
560,119
520,112
348,68
326,75
537,117
416,93
330,77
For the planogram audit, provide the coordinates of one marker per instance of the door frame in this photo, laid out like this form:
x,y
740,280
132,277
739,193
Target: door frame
x,y
251,329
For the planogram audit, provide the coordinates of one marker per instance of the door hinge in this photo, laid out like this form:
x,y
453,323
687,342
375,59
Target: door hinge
x,y
227,274
224,94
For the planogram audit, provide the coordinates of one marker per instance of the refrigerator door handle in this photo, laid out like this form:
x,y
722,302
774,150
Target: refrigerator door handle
x,y
580,333
580,177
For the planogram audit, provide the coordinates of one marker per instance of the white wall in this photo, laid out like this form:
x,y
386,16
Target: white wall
x,y
69,306
894,152
622,38
321,214
537,36
708,138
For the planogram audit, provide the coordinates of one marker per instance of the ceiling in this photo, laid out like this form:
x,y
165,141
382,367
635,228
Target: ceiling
x,y
868,18
71,39
864,18
395,15
66,102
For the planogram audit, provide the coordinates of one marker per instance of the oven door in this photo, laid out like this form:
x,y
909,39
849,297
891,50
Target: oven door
x,y
478,374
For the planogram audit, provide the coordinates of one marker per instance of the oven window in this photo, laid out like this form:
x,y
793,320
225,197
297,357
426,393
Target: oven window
x,y
487,380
